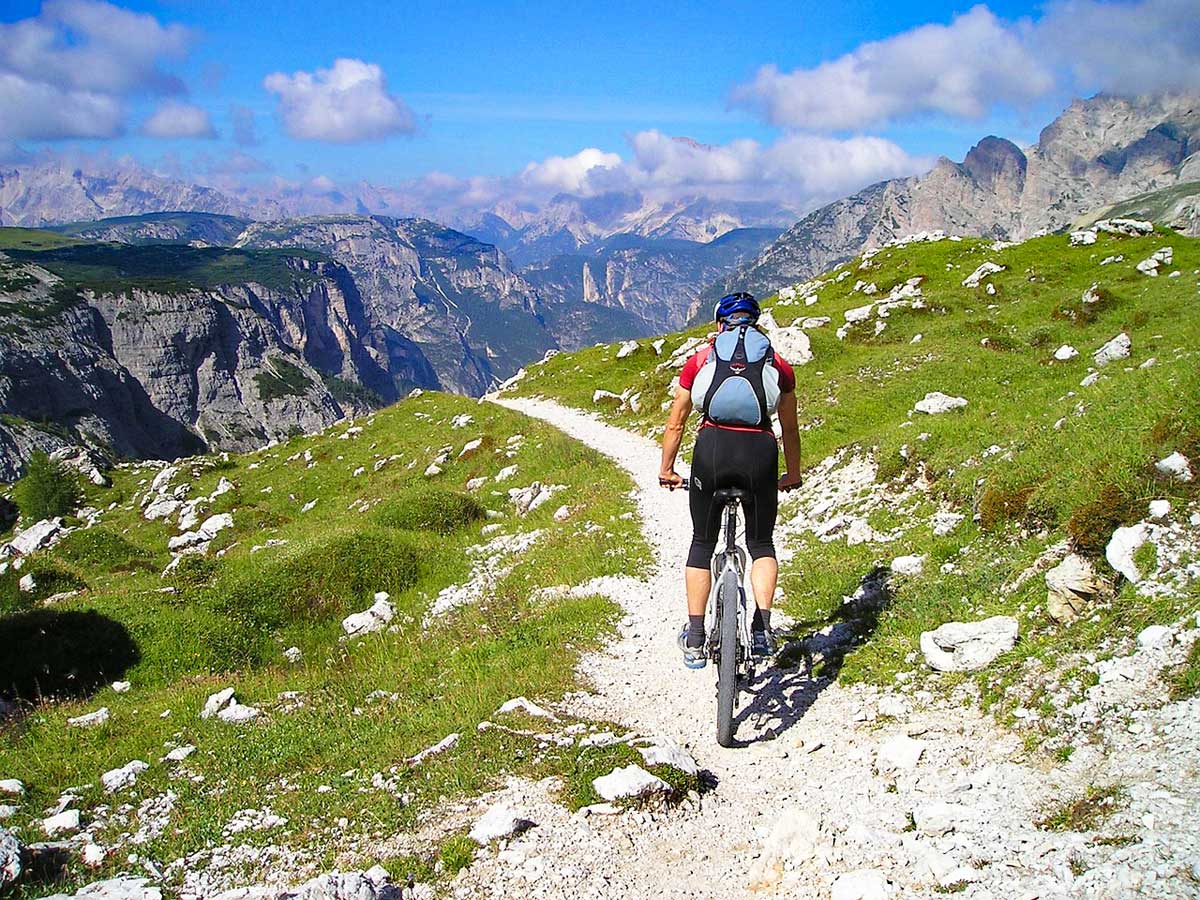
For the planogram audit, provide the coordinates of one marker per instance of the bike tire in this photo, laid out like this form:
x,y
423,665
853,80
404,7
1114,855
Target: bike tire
x,y
727,685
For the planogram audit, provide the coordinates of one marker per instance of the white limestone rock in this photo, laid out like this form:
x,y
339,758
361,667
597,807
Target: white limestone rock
x,y
90,720
899,754
666,752
37,536
447,743
64,822
1160,509
1176,466
861,884
27,583
629,782
628,348
1121,548
1071,586
498,823
12,787
945,521
370,620
986,270
908,565
1118,348
118,779
179,754
236,714
1065,352
216,702
522,704
935,402
1155,637
967,646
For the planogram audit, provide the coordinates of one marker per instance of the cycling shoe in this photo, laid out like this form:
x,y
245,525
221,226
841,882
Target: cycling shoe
x,y
762,643
693,657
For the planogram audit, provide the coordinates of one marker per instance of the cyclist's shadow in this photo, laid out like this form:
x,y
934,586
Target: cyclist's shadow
x,y
783,694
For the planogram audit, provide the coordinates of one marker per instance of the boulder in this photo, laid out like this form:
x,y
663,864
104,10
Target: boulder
x,y
12,787
118,779
214,525
38,536
27,583
1082,238
908,565
498,823
986,270
10,858
1117,348
447,743
1155,637
123,887
1160,509
1065,352
967,646
1121,548
936,402
1176,466
526,706
627,349
179,754
371,620
161,508
1071,587
627,782
236,714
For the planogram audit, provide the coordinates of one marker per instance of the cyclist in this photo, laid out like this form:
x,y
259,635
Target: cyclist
x,y
735,448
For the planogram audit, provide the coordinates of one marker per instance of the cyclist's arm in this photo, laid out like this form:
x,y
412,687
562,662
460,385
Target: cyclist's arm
x,y
791,436
673,434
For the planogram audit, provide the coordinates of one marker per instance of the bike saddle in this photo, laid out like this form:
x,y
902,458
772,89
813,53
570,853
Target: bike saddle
x,y
725,495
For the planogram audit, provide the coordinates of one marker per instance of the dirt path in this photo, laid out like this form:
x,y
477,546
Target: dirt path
x,y
813,803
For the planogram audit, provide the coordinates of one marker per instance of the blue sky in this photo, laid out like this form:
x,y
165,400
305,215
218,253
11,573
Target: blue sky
x,y
487,89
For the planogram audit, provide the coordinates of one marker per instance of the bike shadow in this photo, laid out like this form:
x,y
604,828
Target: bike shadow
x,y
781,696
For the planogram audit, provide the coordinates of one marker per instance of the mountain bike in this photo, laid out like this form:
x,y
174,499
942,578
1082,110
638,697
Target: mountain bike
x,y
729,616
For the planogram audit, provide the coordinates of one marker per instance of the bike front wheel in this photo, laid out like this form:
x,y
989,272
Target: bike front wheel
x,y
727,602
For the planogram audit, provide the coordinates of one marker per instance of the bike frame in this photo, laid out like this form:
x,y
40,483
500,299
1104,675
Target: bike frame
x,y
734,558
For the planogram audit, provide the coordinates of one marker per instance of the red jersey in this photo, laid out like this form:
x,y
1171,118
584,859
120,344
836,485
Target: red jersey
x,y
687,377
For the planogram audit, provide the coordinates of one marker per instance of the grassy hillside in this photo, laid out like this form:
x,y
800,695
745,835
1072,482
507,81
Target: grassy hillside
x,y
1034,458
319,525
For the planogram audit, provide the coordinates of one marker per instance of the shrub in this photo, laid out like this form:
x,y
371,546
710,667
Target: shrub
x,y
287,380
1092,524
48,489
104,548
317,581
999,505
430,509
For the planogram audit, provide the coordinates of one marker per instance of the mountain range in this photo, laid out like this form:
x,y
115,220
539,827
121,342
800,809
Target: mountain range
x,y
1097,153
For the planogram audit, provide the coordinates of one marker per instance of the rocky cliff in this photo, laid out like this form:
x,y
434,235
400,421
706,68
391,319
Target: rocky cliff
x,y
1098,152
229,352
457,299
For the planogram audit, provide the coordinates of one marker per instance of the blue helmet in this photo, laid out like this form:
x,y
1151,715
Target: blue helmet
x,y
740,306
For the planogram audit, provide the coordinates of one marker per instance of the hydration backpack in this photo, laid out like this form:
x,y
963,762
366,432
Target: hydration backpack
x,y
738,383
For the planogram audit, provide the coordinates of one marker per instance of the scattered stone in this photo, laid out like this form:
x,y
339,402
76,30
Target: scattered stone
x,y
121,687
1176,466
1160,509
236,714
908,565
498,823
123,887
93,855
12,787
629,782
1117,348
562,513
665,752
1065,352
446,743
628,348
1082,238
179,754
936,402
986,270
861,884
27,583
7,810
216,702
1071,588
470,447
118,779
37,536
793,841
371,620
945,521
1121,548
461,421
1155,637
63,823
899,754
10,858
526,706
90,720
967,646
937,818
475,484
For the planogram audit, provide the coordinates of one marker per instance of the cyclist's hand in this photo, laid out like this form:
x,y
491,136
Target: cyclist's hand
x,y
670,480
789,482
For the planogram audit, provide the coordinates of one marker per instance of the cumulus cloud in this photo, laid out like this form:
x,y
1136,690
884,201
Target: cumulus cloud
x,y
344,104
568,173
174,119
1125,48
960,69
979,61
65,72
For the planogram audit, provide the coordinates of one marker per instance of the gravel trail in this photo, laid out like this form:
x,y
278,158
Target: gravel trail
x,y
824,796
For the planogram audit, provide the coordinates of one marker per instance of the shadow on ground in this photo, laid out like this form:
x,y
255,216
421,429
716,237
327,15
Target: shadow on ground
x,y
809,663
61,654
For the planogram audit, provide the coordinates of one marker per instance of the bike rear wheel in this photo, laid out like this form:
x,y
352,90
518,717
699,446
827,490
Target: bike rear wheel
x,y
727,686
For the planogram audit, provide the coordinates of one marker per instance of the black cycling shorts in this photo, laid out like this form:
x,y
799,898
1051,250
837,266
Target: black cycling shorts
x,y
724,458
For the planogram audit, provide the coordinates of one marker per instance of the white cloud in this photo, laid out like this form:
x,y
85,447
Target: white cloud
x,y
1125,48
33,109
66,71
568,173
173,119
961,69
346,103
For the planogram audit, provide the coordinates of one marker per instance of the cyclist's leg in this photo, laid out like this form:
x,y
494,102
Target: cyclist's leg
x,y
762,464
705,531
